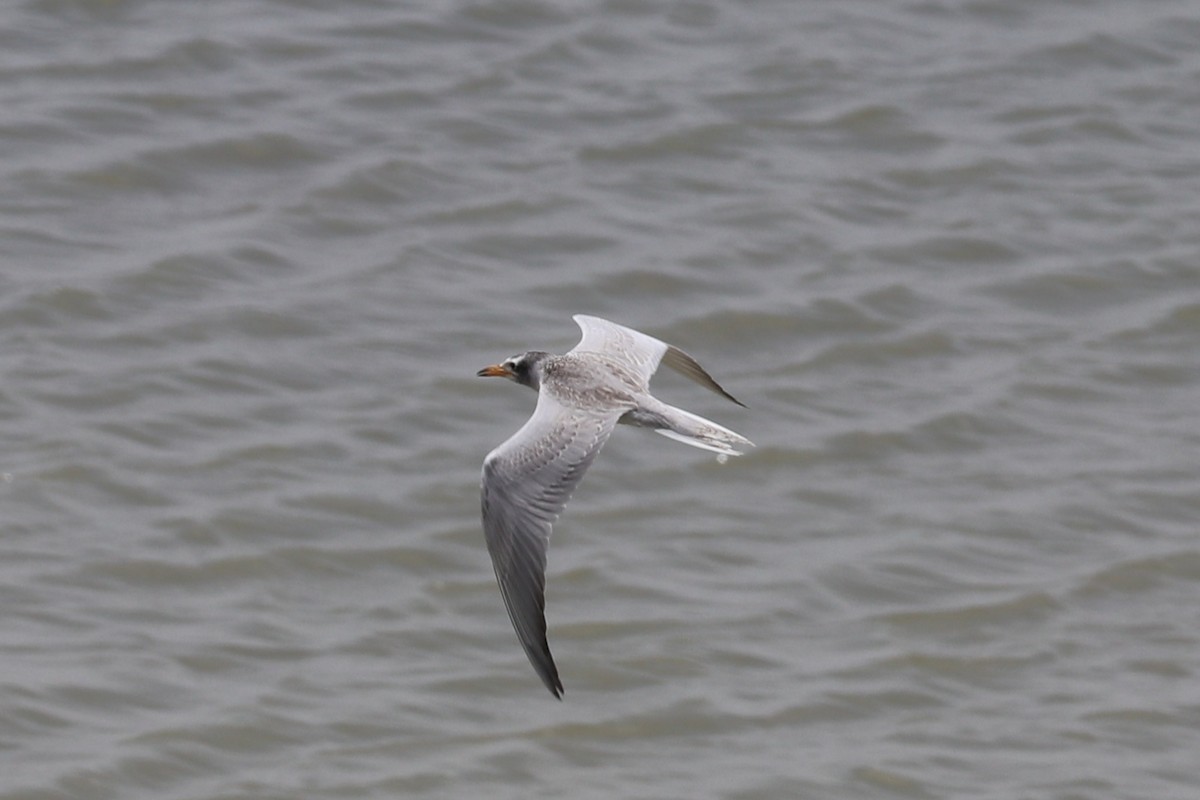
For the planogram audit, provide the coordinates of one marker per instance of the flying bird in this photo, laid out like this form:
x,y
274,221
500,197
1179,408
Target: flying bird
x,y
527,480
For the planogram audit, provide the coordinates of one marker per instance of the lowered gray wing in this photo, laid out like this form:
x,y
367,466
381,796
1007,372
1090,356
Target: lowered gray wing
x,y
526,483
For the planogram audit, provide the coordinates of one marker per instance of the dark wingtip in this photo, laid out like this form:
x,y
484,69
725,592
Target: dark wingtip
x,y
550,678
721,391
687,366
543,665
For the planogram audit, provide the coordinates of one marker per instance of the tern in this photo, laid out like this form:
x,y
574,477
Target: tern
x,y
527,480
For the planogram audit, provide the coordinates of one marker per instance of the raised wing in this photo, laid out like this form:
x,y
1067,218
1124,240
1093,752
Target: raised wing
x,y
641,353
635,350
526,483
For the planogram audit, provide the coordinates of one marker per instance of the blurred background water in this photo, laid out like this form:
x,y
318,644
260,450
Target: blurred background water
x,y
947,251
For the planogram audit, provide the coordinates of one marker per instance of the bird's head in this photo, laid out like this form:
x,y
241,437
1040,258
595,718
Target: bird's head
x,y
524,369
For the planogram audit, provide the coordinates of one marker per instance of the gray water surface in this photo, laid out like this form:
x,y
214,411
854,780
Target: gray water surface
x,y
948,253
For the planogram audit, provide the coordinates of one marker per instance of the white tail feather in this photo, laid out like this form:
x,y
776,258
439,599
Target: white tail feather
x,y
697,431
723,449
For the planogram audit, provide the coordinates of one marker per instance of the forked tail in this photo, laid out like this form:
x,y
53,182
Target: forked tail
x,y
684,426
